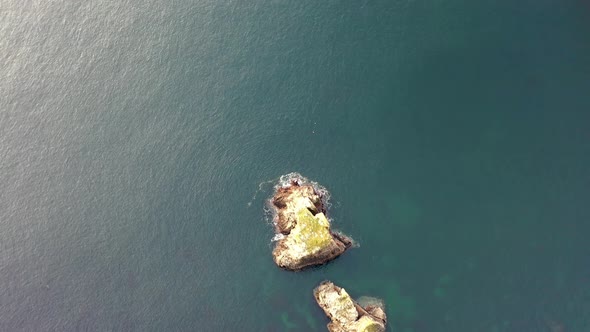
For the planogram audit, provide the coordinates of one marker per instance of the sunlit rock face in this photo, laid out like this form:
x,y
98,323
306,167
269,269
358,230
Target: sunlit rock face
x,y
347,315
299,215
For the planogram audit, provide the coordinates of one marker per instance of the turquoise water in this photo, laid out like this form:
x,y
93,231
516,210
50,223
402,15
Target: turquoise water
x,y
138,139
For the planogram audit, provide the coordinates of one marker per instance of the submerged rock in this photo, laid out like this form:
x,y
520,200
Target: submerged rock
x,y
307,240
348,315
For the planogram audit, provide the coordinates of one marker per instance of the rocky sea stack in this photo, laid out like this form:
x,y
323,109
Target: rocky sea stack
x,y
305,237
347,315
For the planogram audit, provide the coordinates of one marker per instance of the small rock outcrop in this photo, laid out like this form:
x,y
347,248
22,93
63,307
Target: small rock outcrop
x,y
305,235
347,315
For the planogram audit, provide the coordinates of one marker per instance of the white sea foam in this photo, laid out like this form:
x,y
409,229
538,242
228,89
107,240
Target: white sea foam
x,y
261,187
277,237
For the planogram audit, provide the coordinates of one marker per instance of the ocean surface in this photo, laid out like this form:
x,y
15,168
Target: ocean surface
x,y
139,141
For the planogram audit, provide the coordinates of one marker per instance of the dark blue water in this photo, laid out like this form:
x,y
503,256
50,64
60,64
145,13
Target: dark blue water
x,y
137,140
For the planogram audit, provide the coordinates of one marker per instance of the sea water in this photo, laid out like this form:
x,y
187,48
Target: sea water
x,y
452,136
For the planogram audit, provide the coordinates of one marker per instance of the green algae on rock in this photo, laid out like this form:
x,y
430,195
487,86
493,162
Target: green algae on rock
x,y
310,233
300,219
347,315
